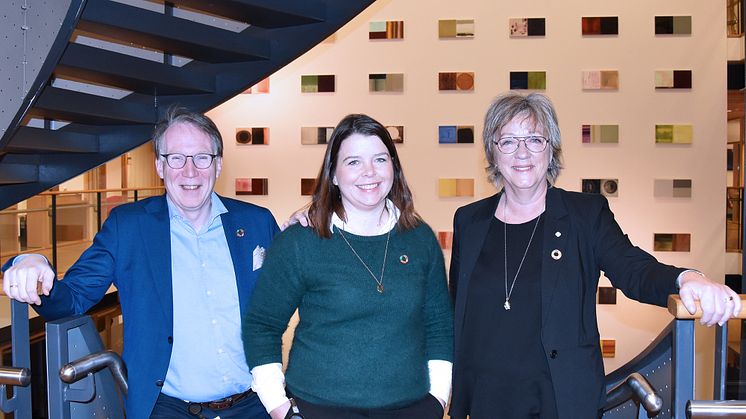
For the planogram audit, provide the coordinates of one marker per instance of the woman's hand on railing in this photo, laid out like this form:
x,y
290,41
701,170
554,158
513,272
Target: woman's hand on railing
x,y
717,301
679,311
28,278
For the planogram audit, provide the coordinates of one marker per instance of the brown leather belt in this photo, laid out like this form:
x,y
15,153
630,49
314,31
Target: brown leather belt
x,y
227,402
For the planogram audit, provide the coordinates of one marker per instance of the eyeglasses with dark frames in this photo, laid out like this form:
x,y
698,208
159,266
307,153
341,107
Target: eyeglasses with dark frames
x,y
178,160
508,144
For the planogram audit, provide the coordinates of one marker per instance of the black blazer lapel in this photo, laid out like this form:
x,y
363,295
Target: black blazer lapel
x,y
155,230
472,234
556,233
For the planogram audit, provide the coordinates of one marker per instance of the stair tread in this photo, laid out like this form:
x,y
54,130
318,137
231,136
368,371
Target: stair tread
x,y
68,105
262,13
40,140
98,65
170,34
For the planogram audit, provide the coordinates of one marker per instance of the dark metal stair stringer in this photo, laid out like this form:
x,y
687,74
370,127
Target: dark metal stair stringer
x,y
203,64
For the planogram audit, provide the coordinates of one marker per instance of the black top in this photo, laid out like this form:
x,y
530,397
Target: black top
x,y
588,240
505,371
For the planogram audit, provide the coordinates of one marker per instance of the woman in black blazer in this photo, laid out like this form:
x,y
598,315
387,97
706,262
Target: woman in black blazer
x,y
524,270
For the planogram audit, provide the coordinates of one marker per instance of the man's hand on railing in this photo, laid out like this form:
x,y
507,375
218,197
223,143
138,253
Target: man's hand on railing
x,y
718,302
22,280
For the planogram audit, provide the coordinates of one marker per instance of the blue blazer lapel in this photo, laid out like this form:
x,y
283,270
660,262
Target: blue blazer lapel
x,y
238,235
156,231
556,253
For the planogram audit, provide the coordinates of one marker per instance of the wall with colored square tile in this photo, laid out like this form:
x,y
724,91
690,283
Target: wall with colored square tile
x,y
639,93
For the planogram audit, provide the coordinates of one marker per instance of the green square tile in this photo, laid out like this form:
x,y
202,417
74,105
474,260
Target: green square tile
x,y
309,84
664,133
537,80
377,27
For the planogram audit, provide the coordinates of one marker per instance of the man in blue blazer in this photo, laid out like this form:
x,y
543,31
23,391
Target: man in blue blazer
x,y
185,265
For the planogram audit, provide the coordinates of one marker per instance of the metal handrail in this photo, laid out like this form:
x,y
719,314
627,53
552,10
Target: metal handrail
x,y
82,191
12,376
637,388
706,409
92,363
97,207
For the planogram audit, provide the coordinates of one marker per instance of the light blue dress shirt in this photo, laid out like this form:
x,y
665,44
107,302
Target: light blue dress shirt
x,y
207,362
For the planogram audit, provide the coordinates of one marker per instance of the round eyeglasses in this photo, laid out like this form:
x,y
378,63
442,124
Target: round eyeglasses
x,y
510,143
178,160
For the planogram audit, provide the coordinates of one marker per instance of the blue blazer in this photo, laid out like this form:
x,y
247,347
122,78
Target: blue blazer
x,y
583,229
133,251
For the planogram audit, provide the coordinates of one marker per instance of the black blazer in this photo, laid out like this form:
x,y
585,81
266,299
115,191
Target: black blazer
x,y
581,233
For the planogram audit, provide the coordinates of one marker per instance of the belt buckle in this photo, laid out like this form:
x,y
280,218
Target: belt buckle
x,y
227,402
221,404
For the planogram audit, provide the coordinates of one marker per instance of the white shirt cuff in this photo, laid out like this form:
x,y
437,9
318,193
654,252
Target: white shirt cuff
x,y
440,378
23,256
269,384
678,278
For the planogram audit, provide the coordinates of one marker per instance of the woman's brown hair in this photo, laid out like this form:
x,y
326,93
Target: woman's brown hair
x,y
326,197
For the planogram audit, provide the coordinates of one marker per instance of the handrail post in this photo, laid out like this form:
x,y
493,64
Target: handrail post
x,y
54,232
683,361
742,359
98,211
21,347
721,362
685,351
20,402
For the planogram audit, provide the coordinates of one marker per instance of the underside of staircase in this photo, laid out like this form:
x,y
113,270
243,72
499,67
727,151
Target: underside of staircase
x,y
109,69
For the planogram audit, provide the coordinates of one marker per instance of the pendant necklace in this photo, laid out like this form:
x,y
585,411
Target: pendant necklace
x,y
379,288
508,293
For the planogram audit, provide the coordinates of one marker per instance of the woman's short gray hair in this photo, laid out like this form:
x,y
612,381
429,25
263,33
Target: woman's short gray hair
x,y
535,107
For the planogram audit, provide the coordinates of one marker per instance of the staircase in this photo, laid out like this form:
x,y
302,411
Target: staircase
x,y
83,81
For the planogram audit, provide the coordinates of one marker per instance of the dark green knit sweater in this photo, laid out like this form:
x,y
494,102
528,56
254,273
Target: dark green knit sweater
x,y
353,346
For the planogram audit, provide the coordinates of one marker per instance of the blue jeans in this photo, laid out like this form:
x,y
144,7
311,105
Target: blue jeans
x,y
167,407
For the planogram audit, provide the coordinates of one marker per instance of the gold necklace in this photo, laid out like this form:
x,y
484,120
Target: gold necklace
x,y
379,288
506,306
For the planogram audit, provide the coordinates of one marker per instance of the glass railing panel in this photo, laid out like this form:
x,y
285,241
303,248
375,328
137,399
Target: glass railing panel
x,y
61,225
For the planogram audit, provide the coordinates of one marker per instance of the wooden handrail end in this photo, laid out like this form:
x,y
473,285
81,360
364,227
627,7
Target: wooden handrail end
x,y
677,309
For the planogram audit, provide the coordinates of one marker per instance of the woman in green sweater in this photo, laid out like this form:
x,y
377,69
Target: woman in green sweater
x,y
375,336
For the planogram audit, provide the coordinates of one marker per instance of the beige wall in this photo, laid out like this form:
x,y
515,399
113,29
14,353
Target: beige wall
x,y
563,53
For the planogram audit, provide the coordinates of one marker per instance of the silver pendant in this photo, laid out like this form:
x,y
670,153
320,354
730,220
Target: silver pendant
x,y
507,305
380,288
